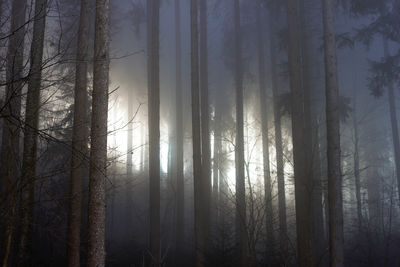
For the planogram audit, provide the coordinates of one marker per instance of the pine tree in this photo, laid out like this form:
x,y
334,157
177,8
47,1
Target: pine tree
x,y
98,147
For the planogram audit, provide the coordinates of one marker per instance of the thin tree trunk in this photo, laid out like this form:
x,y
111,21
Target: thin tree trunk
x,y
283,238
333,138
153,16
80,139
264,133
129,162
240,224
196,132
98,148
31,133
179,134
303,181
356,159
205,118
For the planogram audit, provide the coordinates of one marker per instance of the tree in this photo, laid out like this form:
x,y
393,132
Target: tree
x,y
28,171
205,118
240,224
153,21
80,138
11,108
264,130
179,133
333,138
278,133
303,181
10,111
196,133
98,147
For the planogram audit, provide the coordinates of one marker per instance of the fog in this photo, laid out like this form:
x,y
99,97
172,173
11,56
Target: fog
x,y
199,133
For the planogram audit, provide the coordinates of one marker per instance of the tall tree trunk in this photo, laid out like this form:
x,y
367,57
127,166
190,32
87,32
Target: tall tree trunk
x,y
303,181
240,226
80,138
356,165
205,118
31,133
283,237
153,21
393,122
11,108
216,165
196,133
333,138
264,133
179,134
311,146
98,147
129,162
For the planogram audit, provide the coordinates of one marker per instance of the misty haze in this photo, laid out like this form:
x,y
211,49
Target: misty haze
x,y
201,133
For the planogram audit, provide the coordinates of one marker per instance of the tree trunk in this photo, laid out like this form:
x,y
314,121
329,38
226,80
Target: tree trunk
x,y
264,132
393,123
198,184
333,138
153,16
240,226
283,238
311,146
356,159
11,108
303,181
31,133
80,138
98,148
205,118
129,162
179,135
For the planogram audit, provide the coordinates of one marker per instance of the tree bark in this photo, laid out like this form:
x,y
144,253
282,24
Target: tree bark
x,y
11,107
153,21
80,138
264,132
179,134
333,138
240,224
205,118
356,159
98,148
196,133
283,238
393,122
31,126
303,181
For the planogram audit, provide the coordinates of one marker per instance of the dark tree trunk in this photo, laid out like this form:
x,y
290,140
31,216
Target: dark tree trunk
x,y
196,133
302,173
98,147
153,24
333,138
31,126
179,136
80,139
283,238
356,159
205,118
393,123
264,132
11,107
241,222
